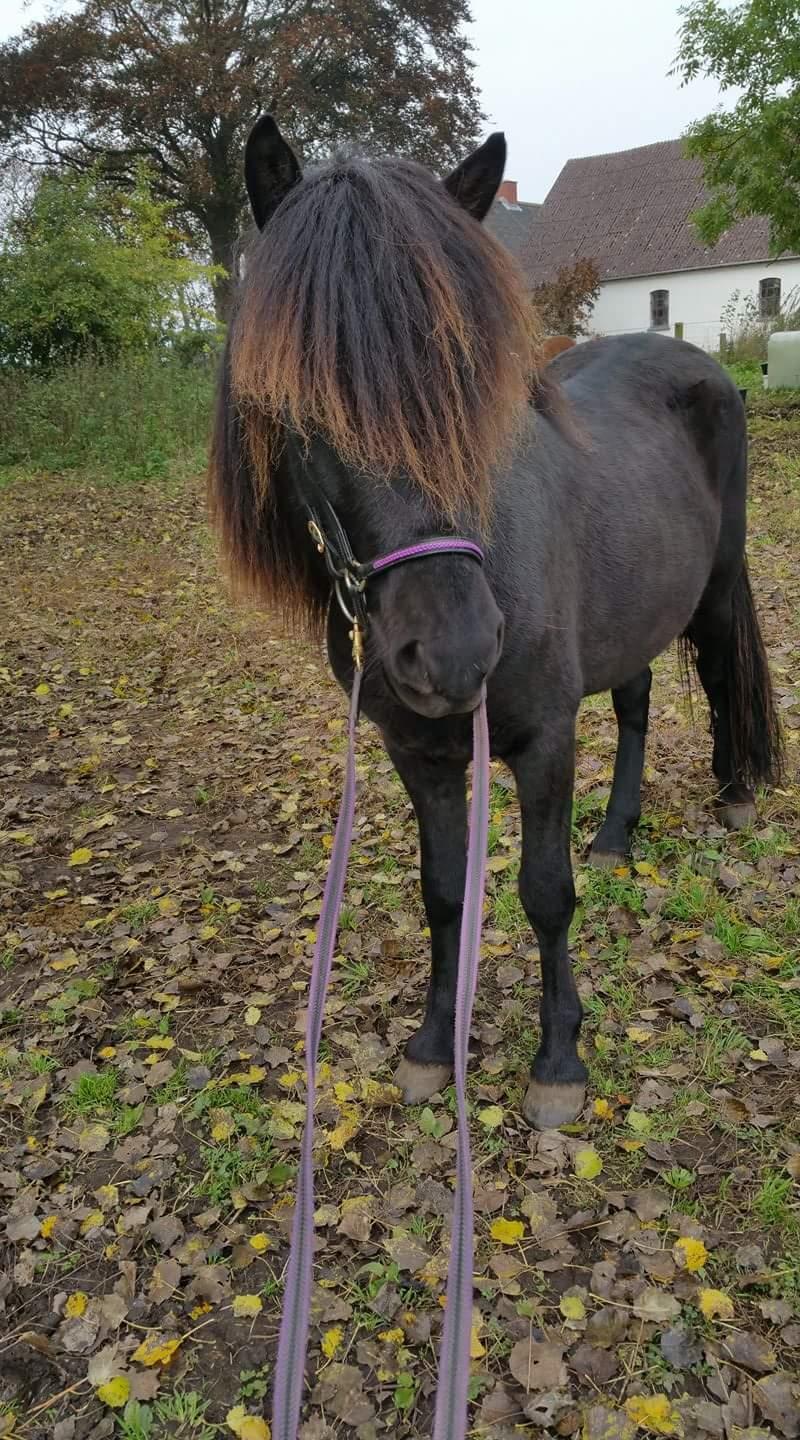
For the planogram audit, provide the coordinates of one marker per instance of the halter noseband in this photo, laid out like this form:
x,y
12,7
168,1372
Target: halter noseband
x,y
350,576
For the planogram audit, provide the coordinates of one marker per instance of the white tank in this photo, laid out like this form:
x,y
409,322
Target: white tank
x,y
783,360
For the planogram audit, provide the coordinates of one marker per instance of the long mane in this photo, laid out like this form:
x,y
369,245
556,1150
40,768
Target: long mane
x,y
378,314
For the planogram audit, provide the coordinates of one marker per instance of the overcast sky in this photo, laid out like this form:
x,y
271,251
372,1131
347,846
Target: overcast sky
x,y
561,77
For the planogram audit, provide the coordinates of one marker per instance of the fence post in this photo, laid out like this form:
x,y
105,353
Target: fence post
x,y
723,344
678,329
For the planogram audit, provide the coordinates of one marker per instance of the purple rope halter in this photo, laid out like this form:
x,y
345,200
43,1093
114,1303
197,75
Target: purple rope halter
x,y
349,579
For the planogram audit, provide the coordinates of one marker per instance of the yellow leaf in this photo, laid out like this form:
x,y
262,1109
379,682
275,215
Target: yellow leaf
x,y
342,1133
92,1221
81,856
201,1308
252,1015
758,1055
572,1307
587,1163
155,1350
247,1427
47,1226
160,1042
115,1393
507,1232
332,1341
655,1414
377,1092
108,1052
246,1307
477,1349
253,1076
76,1304
290,1079
715,1304
42,690
343,1091
491,1117
690,1253
223,1130
643,867
260,1242
392,1337
638,1034
603,1110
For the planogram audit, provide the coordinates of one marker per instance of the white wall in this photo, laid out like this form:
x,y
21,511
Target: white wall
x,y
696,297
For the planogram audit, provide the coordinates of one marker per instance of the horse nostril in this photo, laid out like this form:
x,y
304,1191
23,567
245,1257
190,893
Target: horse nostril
x,y
408,656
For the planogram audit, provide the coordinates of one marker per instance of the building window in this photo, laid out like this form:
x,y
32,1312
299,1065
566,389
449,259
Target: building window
x,y
659,309
769,297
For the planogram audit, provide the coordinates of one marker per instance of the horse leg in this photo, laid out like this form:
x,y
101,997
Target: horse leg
x,y
544,773
711,635
438,794
631,707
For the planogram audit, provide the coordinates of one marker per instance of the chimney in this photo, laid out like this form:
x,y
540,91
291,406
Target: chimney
x,y
508,192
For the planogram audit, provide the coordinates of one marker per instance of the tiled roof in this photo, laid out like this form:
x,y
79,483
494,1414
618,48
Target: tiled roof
x,y
630,212
512,224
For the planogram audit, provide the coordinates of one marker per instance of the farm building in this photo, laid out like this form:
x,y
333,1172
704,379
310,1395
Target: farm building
x,y
510,220
631,212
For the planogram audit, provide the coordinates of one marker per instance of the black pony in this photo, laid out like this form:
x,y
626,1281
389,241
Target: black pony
x,y
383,361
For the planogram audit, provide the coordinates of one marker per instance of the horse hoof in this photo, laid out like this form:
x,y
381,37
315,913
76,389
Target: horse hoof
x,y
419,1082
737,817
546,1107
607,859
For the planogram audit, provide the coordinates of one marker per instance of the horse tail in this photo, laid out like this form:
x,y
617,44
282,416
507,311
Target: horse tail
x,y
757,748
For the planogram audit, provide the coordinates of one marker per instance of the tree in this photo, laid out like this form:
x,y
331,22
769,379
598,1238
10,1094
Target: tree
x,y
565,305
178,83
85,267
751,153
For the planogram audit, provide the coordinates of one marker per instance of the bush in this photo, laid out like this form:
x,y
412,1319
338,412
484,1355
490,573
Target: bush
x,y
86,267
139,417
565,305
747,332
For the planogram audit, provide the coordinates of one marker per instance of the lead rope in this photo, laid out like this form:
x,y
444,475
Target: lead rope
x,y
293,1337
451,1400
451,1394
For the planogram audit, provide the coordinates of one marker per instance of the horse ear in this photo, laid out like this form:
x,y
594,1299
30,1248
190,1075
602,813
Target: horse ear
x,y
270,169
475,182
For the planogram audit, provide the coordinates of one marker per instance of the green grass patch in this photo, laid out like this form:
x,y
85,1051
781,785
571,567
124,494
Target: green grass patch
x,y
135,419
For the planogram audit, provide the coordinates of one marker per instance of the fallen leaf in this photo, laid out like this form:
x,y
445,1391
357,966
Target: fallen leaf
x,y
587,1163
114,1393
332,1341
656,1305
246,1307
538,1365
655,1414
572,1307
76,1304
246,1427
715,1304
690,1253
491,1116
155,1350
81,856
507,1232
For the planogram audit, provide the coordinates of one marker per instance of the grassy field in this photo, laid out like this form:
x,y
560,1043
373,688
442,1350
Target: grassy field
x,y
170,778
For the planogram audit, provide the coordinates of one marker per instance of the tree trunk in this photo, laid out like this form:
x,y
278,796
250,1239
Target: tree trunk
x,y
223,233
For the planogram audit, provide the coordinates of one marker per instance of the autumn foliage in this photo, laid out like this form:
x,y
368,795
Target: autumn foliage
x,y
565,304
